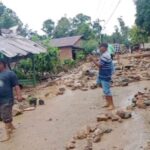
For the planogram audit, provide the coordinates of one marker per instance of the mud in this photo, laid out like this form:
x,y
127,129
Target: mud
x,y
50,126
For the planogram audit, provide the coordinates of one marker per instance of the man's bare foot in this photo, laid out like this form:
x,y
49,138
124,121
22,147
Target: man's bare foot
x,y
8,136
111,107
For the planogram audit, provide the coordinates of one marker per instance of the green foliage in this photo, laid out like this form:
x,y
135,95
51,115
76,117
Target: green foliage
x,y
62,28
69,63
89,46
8,18
48,27
47,62
137,36
80,56
124,30
143,15
24,69
97,28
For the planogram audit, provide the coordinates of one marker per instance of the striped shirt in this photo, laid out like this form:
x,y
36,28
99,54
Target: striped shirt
x,y
106,67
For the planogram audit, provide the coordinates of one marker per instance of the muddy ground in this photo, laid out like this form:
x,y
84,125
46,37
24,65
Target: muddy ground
x,y
50,127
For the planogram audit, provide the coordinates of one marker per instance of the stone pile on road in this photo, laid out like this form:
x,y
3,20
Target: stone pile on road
x,y
84,77
114,116
26,105
141,100
136,70
94,132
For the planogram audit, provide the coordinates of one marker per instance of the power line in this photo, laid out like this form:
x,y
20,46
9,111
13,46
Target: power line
x,y
113,12
99,6
104,4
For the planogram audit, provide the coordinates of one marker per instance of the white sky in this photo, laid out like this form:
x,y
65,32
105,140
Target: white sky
x,y
34,12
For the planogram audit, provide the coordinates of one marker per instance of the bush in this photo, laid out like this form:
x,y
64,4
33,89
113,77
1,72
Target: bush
x,y
80,56
90,46
69,63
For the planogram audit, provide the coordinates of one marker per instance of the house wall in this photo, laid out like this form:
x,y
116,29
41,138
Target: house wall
x,y
78,43
65,53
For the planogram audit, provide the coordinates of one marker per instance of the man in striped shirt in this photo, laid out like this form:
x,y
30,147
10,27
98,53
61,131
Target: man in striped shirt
x,y
105,74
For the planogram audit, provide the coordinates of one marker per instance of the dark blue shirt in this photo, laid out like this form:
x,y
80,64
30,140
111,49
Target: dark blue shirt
x,y
8,80
106,67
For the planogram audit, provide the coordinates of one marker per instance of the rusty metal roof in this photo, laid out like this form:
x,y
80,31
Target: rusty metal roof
x,y
65,41
12,46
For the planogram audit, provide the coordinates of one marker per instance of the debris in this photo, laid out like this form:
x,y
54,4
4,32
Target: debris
x,y
60,93
147,102
124,114
29,109
97,138
83,133
62,89
102,117
41,102
16,111
32,101
70,145
89,145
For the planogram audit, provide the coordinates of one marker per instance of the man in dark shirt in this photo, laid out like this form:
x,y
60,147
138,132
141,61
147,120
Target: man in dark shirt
x,y
8,81
106,70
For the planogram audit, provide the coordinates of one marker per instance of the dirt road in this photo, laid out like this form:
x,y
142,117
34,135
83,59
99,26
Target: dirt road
x,y
49,127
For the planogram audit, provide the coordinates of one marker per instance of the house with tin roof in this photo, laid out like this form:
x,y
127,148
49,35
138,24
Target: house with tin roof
x,y
68,46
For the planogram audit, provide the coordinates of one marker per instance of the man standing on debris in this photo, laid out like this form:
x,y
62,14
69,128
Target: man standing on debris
x,y
8,81
105,73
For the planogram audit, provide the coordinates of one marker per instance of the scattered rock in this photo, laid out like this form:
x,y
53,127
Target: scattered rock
x,y
121,113
32,101
89,145
102,117
41,102
147,102
97,138
83,133
70,146
115,118
62,89
60,93
140,104
127,115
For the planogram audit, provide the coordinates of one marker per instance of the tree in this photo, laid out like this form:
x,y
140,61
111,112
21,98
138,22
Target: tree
x,y
90,45
81,25
48,27
63,27
81,19
137,36
124,31
8,18
143,15
97,28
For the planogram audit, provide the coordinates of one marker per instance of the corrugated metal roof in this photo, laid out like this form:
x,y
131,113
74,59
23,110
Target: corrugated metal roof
x,y
66,41
12,46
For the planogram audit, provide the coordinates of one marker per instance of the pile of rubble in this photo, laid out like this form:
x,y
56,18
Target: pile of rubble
x,y
136,69
93,133
28,104
84,77
141,100
116,116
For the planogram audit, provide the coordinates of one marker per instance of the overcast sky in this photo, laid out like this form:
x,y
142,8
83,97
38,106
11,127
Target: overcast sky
x,y
34,12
